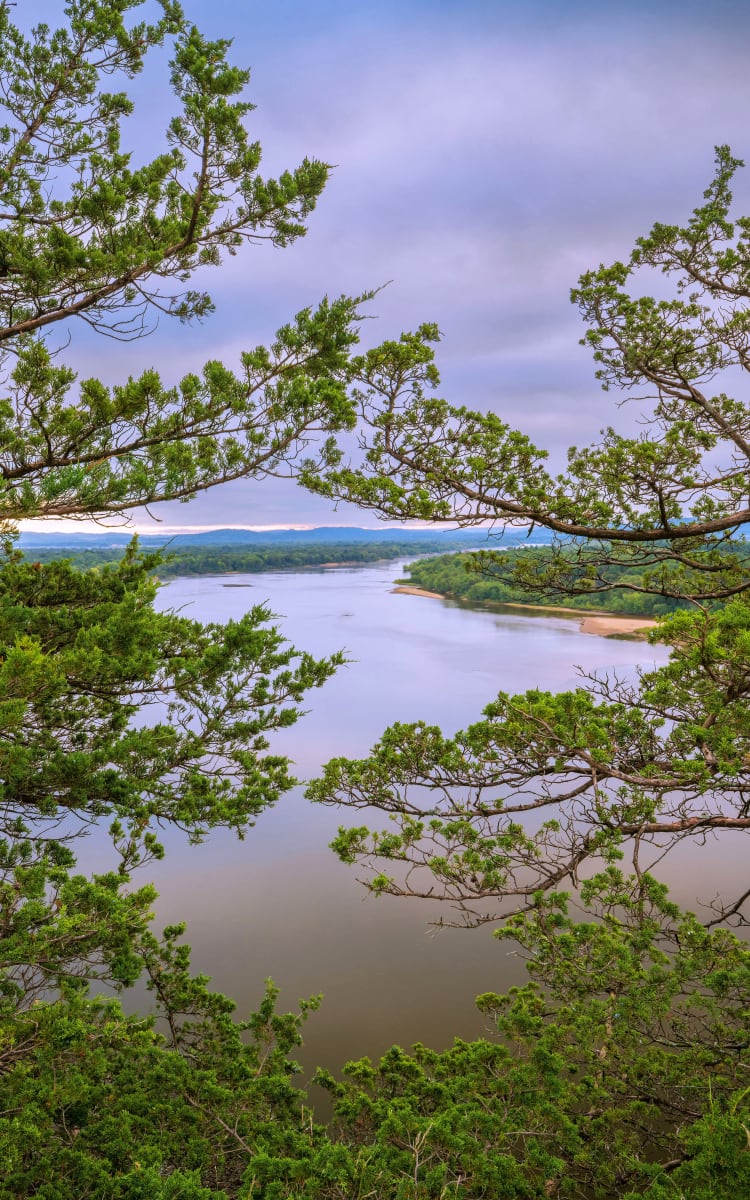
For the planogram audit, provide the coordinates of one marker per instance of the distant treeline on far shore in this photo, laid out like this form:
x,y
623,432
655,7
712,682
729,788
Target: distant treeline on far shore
x,y
469,577
217,560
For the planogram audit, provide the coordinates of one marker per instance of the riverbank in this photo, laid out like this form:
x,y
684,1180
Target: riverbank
x,y
415,591
601,624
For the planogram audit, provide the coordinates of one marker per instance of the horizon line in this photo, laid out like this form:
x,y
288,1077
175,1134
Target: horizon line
x,y
63,526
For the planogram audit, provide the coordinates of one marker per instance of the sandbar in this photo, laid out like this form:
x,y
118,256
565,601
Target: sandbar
x,y
415,591
601,624
616,626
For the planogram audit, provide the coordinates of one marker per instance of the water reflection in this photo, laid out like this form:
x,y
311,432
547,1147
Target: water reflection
x,y
279,903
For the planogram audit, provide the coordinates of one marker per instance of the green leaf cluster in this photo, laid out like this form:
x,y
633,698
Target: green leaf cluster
x,y
620,1069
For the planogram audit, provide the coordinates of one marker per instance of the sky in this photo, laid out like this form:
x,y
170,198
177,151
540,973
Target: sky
x,y
486,153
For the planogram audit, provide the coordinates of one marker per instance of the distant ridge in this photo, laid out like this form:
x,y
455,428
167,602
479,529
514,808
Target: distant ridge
x,y
329,535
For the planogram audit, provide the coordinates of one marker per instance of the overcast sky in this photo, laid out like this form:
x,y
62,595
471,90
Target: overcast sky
x,y
487,152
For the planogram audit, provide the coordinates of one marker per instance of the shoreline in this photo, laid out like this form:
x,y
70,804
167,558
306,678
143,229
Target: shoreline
x,y
600,624
407,590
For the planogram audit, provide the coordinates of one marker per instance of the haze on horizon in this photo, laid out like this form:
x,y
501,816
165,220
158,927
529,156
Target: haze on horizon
x,y
485,155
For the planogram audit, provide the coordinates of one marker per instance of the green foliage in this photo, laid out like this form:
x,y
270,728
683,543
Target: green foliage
x,y
85,234
177,561
620,1069
632,1032
667,503
546,783
653,525
84,652
113,714
81,448
88,233
104,1104
620,1073
523,577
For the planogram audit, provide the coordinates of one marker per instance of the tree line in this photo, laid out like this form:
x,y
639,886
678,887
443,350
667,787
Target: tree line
x,y
217,560
494,578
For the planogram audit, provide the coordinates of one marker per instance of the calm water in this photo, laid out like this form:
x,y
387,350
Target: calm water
x,y
279,903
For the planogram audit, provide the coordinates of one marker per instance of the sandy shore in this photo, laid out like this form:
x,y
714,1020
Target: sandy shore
x,y
549,608
415,591
600,624
612,626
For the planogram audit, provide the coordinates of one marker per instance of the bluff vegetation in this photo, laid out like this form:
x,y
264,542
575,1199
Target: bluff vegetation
x,y
621,1068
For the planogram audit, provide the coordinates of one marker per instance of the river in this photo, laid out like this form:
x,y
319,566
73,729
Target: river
x,y
279,903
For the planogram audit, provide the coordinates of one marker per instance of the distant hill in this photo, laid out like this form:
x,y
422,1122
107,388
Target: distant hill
x,y
326,535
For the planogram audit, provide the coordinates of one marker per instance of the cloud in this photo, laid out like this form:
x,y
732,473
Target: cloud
x,y
486,154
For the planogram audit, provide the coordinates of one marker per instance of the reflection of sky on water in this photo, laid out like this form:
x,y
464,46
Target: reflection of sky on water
x,y
413,658
279,903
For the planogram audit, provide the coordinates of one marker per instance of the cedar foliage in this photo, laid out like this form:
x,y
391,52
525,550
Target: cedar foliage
x,y
620,1069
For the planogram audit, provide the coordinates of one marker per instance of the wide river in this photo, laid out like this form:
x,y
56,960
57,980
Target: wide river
x,y
279,903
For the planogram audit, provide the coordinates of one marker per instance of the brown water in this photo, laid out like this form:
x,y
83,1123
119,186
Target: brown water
x,y
279,903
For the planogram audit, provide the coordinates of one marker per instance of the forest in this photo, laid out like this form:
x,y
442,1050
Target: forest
x,y
216,560
483,578
620,1069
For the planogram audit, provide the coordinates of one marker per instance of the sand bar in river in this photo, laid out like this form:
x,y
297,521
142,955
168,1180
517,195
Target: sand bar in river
x,y
601,624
